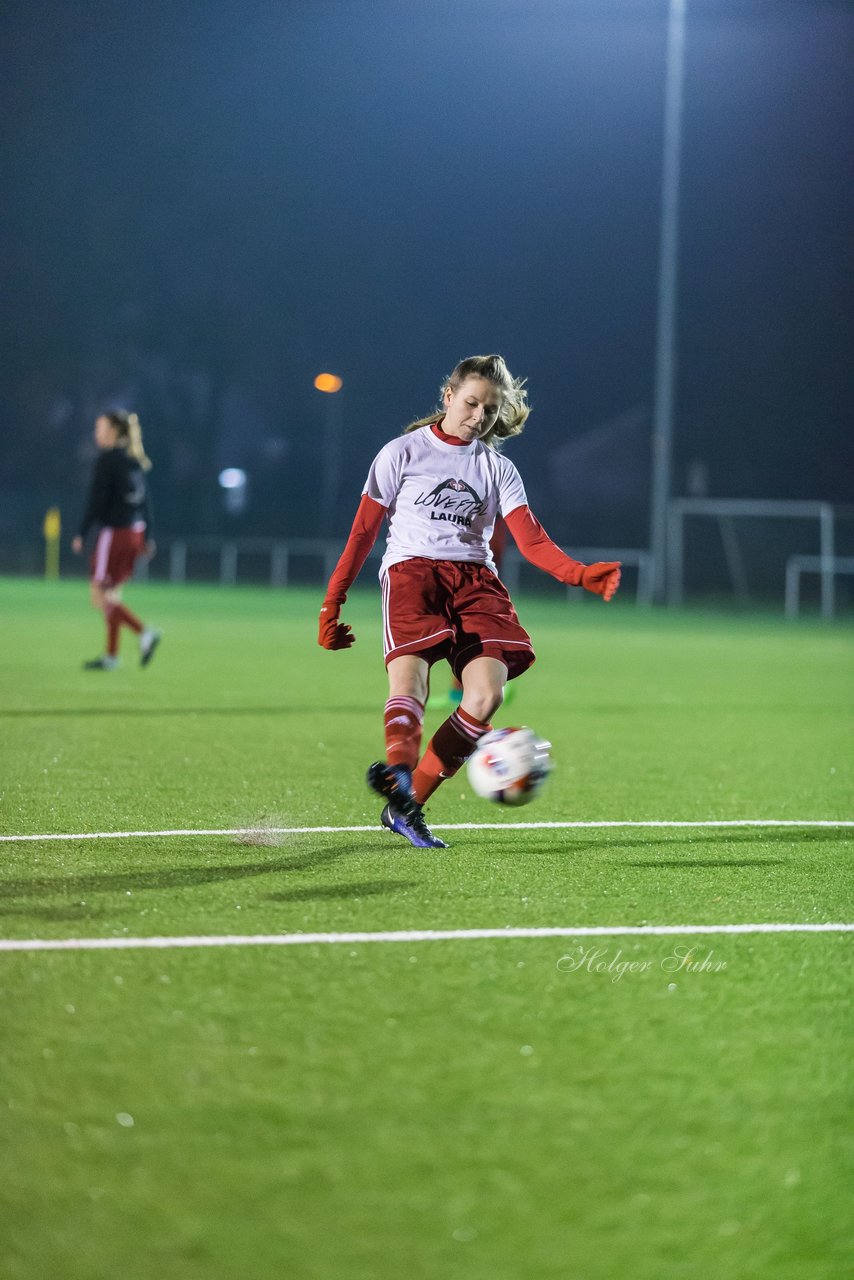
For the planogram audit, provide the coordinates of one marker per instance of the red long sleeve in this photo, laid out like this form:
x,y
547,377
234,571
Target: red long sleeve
x,y
363,535
536,545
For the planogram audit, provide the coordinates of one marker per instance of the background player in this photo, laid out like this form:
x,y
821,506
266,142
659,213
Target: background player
x,y
119,503
441,486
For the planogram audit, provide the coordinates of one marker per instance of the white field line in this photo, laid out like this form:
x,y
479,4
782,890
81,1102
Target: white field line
x,y
405,935
447,826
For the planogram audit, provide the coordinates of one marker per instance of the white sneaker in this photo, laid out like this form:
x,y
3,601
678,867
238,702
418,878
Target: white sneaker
x,y
148,641
101,664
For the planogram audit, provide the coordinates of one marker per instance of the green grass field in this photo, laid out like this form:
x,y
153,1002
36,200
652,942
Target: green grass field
x,y
516,1108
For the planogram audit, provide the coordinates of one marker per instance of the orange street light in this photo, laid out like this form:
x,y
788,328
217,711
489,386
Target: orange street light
x,y
328,382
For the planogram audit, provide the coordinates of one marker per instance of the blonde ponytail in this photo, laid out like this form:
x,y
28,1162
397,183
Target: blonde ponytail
x,y
130,436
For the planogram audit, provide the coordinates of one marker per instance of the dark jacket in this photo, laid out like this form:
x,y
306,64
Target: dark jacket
x,y
118,494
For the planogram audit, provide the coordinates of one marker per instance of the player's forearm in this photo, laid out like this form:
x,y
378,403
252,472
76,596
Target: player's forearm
x,y
363,535
538,548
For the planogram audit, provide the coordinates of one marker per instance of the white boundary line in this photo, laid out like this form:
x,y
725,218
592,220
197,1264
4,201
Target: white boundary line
x,y
448,826
405,935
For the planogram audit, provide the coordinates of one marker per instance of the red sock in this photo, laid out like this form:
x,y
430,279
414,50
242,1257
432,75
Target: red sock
x,y
403,720
117,614
447,751
129,619
113,624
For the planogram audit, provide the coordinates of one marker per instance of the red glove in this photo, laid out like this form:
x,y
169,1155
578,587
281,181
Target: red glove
x,y
331,633
601,578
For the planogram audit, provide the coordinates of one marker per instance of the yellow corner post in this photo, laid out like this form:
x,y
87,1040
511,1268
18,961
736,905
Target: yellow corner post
x,y
52,529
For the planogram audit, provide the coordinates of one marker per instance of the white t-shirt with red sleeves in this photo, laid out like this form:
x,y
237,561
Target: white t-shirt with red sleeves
x,y
442,499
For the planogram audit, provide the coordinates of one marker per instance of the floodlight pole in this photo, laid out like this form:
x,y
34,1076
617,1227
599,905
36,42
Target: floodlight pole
x,y
665,344
331,458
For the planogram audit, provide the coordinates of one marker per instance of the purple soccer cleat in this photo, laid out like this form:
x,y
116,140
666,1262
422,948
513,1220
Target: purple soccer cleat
x,y
411,826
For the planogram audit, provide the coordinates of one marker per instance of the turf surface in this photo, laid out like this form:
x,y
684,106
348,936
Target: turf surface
x,y
471,1108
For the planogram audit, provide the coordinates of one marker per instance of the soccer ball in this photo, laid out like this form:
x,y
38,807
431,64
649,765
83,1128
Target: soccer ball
x,y
509,766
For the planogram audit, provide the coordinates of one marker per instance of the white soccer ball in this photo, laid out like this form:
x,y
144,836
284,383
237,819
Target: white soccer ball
x,y
509,766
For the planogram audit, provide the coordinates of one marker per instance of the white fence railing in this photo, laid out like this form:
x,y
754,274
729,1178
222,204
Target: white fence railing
x,y
278,556
796,565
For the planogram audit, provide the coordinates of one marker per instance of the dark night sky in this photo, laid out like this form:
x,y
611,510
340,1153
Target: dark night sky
x,y
236,195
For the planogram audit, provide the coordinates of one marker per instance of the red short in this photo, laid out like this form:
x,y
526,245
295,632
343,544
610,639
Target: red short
x,y
115,554
451,609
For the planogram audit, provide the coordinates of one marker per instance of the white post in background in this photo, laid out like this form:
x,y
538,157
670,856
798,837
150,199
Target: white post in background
x,y
665,346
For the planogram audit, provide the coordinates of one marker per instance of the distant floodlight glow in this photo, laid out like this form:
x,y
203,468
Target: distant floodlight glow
x,y
232,478
328,382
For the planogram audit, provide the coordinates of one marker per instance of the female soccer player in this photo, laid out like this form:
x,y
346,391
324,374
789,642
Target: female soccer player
x,y
441,486
119,503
